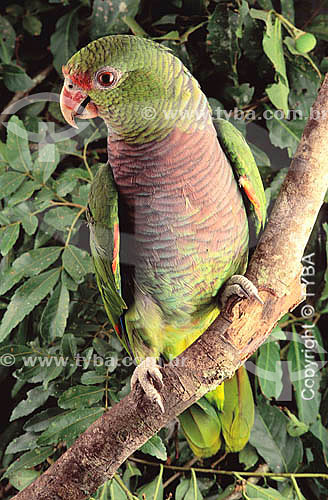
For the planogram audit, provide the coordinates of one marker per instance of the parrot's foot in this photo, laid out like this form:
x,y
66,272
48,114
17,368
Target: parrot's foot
x,y
242,287
149,376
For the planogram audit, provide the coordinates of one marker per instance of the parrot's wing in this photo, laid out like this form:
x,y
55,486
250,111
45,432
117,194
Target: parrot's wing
x,y
245,168
103,222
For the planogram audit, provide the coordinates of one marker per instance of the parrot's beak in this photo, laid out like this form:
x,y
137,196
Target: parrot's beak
x,y
76,104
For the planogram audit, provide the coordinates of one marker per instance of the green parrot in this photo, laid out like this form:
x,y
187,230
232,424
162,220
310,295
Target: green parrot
x,y
167,217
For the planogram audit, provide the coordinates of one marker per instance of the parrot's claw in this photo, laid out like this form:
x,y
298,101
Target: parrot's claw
x,y
242,287
149,376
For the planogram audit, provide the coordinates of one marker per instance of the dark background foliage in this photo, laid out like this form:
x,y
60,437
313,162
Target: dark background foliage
x,y
251,61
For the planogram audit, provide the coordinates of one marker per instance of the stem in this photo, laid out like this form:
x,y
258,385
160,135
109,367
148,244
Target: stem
x,y
231,472
67,204
122,485
297,490
87,142
178,474
83,209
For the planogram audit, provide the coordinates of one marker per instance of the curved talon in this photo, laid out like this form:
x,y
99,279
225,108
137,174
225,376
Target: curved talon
x,y
149,376
242,287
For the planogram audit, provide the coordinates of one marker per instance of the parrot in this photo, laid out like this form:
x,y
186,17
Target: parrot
x,y
170,216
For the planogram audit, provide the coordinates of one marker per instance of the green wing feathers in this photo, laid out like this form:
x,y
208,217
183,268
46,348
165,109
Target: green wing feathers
x,y
237,417
202,428
245,168
105,243
213,419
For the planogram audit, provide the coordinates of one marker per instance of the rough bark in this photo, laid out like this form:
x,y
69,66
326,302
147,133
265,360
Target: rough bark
x,y
275,268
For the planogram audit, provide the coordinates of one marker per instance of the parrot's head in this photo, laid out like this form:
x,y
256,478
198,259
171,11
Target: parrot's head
x,y
134,84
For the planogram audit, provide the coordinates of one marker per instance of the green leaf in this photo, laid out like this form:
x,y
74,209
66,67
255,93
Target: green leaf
x,y
295,427
46,162
188,489
15,78
107,17
55,314
7,40
302,370
288,10
64,185
76,262
17,147
69,425
258,493
242,94
69,346
26,298
130,471
153,490
263,15
18,351
111,489
21,479
80,396
77,173
155,447
53,370
9,278
35,398
60,218
42,200
32,25
285,133
10,182
265,4
269,436
92,377
21,443
29,459
30,223
25,192
8,237
273,48
261,158
68,281
222,41
35,261
243,14
278,95
248,456
321,433
63,43
42,420
319,26
269,369
101,346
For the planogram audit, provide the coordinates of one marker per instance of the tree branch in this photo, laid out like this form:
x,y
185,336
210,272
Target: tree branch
x,y
275,268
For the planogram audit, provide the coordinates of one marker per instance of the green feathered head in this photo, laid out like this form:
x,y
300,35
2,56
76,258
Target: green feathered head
x,y
136,85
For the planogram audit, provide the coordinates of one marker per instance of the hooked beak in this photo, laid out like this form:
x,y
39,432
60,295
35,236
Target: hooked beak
x,y
76,104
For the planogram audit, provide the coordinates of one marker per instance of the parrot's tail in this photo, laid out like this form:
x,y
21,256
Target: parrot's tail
x,y
202,429
225,414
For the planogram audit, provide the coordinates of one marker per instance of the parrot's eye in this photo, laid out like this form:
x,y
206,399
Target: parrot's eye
x,y
106,78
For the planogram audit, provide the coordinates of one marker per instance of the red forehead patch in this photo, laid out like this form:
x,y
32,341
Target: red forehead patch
x,y
79,78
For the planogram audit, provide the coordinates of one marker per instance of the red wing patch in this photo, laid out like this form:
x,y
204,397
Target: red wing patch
x,y
247,186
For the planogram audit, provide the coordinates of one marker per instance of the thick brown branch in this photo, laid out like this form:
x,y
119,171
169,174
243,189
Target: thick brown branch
x,y
275,268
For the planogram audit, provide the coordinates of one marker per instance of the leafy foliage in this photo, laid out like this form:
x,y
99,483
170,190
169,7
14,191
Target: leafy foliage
x,y
61,364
